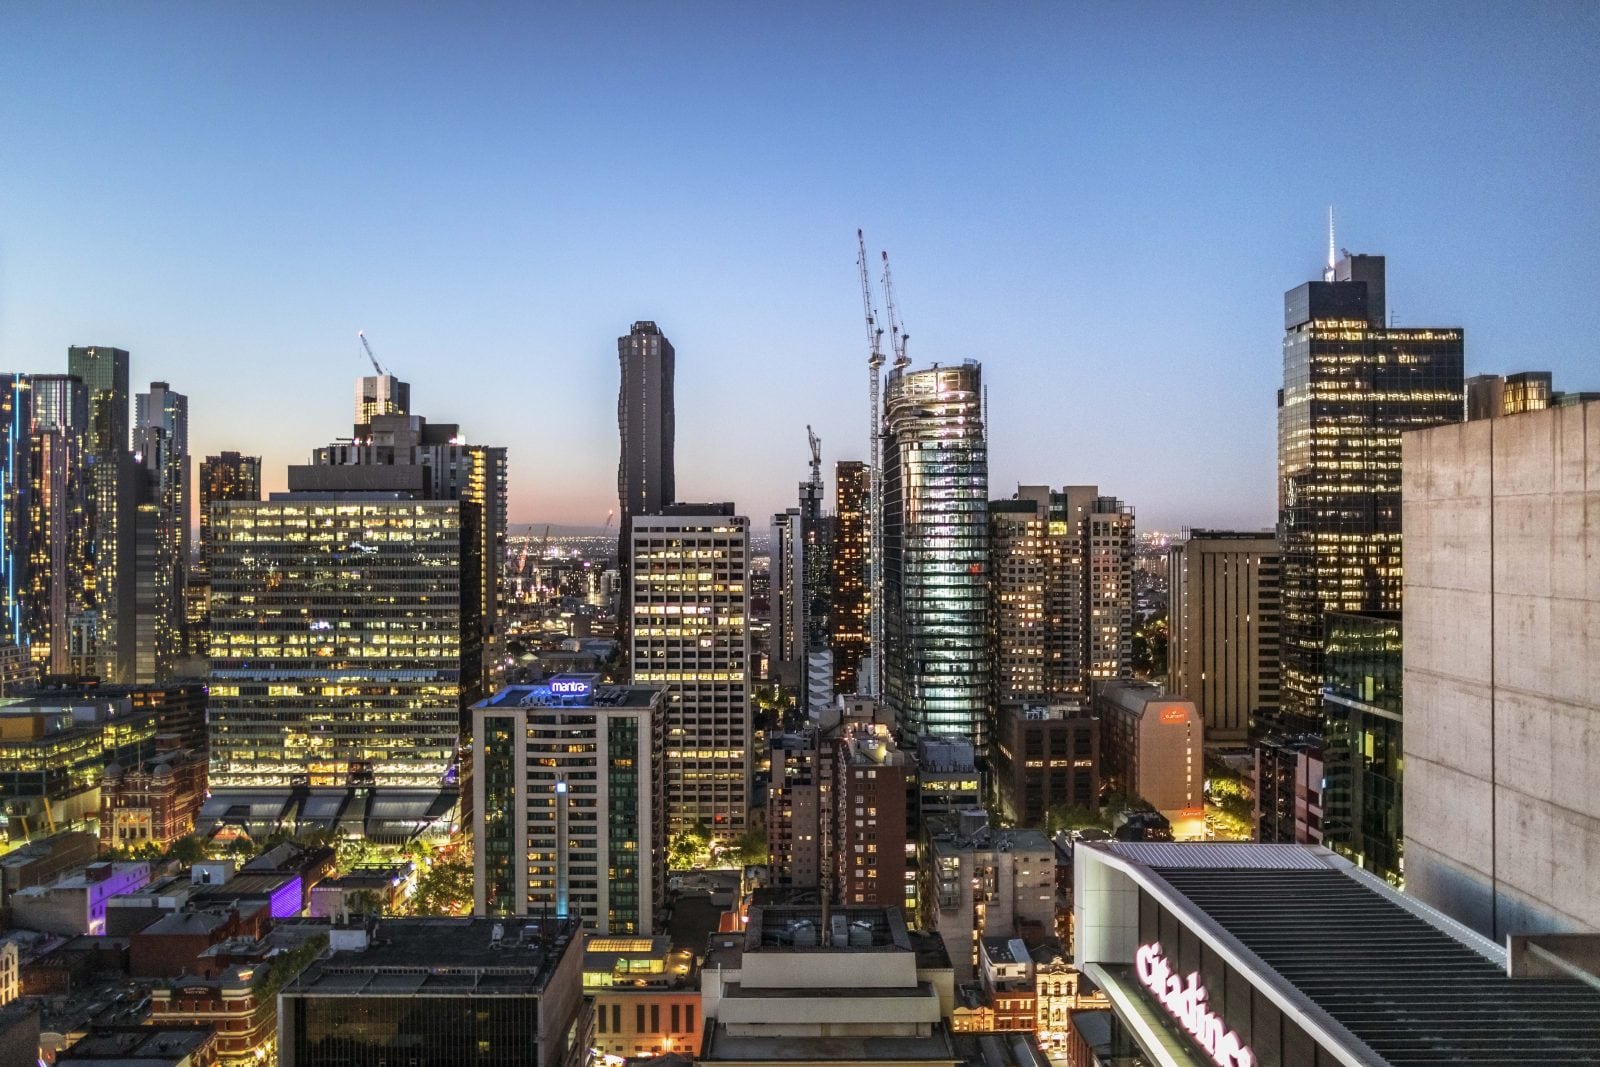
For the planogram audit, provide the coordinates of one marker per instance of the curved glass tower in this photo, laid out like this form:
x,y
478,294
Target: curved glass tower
x,y
936,552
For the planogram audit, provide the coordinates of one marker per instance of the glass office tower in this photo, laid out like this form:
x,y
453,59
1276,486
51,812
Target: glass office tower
x,y
1351,386
1364,754
936,553
336,637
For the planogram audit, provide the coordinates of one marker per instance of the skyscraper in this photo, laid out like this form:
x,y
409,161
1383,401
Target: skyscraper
x,y
1223,609
936,552
16,418
60,525
569,810
1352,385
1061,608
336,635
690,632
112,486
432,461
161,530
847,615
380,394
228,476
645,478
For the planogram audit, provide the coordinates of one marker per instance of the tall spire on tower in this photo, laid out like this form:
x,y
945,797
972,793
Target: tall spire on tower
x,y
1327,275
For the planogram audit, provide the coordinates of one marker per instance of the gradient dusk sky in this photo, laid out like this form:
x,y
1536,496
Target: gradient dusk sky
x,y
1101,202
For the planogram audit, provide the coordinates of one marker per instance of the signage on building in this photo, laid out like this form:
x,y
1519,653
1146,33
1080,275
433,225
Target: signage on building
x,y
1174,713
569,687
1185,1001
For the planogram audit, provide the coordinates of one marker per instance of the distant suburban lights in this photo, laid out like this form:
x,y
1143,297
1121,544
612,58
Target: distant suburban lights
x,y
1187,1004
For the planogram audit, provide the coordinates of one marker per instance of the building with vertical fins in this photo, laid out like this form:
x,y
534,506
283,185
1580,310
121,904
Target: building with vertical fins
x,y
1352,385
112,489
936,666
1223,607
690,633
848,621
569,813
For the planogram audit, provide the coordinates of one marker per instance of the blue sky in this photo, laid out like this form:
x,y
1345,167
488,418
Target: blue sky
x,y
1102,203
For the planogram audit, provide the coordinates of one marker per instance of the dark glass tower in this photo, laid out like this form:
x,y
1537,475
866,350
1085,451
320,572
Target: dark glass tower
x,y
847,618
112,487
936,553
645,481
1351,387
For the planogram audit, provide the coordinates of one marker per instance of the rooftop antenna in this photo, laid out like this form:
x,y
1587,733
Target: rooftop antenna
x,y
1327,275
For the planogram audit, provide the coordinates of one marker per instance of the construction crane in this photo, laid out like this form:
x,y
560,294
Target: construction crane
x,y
610,515
816,456
380,371
897,339
874,471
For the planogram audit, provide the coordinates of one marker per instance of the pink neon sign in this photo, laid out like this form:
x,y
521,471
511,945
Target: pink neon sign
x,y
1185,1000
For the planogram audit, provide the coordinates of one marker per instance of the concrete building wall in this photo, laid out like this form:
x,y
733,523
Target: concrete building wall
x,y
1502,670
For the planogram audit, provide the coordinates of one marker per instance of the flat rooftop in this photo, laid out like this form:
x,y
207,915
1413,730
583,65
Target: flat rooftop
x,y
444,957
788,928
854,1049
1397,976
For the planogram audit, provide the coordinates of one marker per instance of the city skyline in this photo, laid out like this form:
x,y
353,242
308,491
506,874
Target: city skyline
x,y
1062,212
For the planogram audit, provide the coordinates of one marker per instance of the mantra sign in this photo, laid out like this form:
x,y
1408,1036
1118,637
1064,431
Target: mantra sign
x,y
1185,1000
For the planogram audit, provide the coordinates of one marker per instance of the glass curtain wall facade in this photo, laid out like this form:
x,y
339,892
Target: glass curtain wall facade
x,y
1363,757
336,642
59,516
1351,387
936,553
104,373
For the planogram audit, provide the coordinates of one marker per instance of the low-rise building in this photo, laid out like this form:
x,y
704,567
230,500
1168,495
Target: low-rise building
x,y
1240,954
984,882
646,996
143,1046
490,992
1046,756
41,861
1152,746
77,904
812,986
153,804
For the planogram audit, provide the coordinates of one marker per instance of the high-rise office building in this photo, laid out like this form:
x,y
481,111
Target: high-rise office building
x,y
16,417
1061,592
228,476
1362,798
645,482
1352,385
406,453
161,530
848,622
1223,629
112,487
786,600
380,394
569,812
1502,671
336,636
1491,396
936,666
690,632
1108,564
60,524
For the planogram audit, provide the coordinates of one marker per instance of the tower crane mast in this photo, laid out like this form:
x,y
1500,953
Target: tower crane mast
x,y
379,370
897,338
874,575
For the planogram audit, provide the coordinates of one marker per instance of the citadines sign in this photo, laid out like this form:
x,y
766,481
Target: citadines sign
x,y
1185,999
